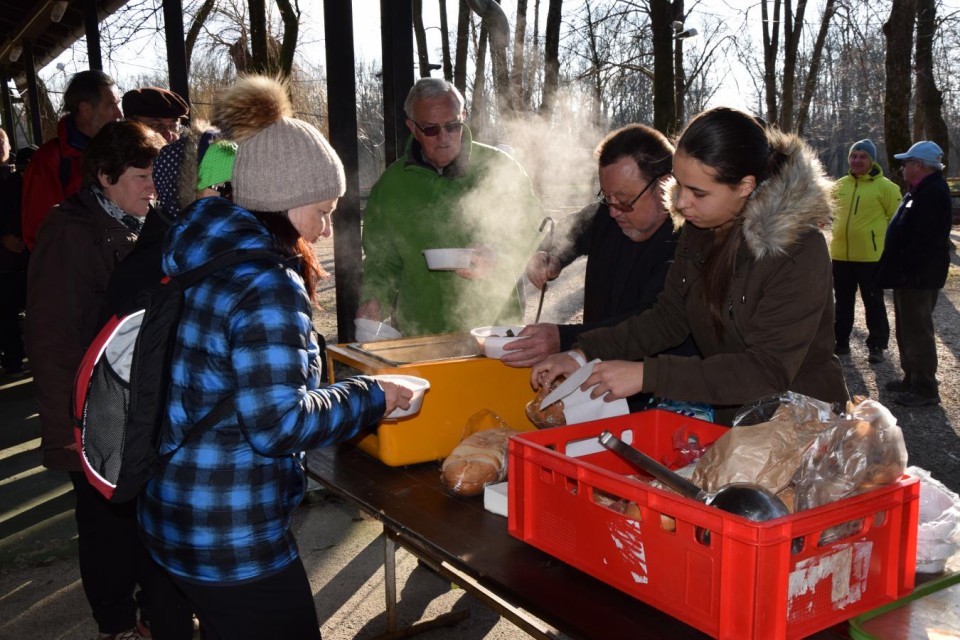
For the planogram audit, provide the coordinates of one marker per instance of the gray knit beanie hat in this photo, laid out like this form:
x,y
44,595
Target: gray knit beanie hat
x,y
864,145
281,162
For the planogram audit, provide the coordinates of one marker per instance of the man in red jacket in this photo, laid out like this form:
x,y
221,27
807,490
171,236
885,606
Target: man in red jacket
x,y
90,101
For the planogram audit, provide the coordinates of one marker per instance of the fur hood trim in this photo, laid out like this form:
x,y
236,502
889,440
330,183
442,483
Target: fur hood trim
x,y
784,206
187,177
250,105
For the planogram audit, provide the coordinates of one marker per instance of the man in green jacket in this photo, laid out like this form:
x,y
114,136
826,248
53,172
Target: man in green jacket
x,y
446,191
865,203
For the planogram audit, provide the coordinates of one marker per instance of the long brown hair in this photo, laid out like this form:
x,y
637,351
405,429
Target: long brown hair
x,y
734,145
288,240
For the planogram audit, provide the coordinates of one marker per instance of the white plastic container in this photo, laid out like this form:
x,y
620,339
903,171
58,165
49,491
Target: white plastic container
x,y
448,259
492,339
417,385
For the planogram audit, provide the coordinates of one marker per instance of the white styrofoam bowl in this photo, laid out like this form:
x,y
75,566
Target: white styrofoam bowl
x,y
417,385
367,330
448,259
492,339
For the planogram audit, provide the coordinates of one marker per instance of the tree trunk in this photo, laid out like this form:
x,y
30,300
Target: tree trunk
x,y
501,74
898,31
463,42
445,42
810,85
259,62
195,26
526,97
792,32
479,85
664,100
517,72
771,38
596,85
291,31
551,56
679,75
420,35
928,118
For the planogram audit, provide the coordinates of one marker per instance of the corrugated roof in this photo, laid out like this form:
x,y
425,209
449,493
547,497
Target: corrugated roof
x,y
30,20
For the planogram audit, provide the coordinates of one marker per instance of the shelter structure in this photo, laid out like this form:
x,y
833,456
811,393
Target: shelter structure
x,y
34,32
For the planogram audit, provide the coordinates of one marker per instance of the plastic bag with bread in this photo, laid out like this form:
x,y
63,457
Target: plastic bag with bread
x,y
860,451
480,458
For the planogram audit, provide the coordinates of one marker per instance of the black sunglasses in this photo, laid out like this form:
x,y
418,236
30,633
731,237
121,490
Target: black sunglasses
x,y
625,207
433,130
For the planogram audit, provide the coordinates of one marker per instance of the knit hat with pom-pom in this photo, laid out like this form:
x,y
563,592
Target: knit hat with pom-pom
x,y
281,162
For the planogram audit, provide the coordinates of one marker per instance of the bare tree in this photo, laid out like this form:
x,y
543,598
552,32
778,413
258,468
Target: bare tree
x,y
814,71
792,30
445,42
420,36
463,42
771,45
664,96
551,56
928,122
519,35
898,31
196,24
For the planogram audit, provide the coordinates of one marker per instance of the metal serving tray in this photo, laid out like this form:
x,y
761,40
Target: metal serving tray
x,y
402,351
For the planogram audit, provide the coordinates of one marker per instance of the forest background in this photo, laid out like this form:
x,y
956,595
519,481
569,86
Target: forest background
x,y
548,78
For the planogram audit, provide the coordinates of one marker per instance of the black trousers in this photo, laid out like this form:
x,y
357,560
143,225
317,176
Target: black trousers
x,y
13,299
113,561
278,606
847,278
916,338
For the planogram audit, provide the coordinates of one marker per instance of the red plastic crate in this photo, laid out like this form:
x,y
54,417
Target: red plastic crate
x,y
749,579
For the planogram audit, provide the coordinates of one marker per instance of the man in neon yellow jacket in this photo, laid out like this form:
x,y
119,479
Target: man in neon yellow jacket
x,y
446,191
865,203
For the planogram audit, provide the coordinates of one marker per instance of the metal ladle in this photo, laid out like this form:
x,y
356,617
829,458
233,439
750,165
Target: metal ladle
x,y
548,245
750,501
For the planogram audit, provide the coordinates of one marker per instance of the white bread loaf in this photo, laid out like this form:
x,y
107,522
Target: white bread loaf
x,y
480,459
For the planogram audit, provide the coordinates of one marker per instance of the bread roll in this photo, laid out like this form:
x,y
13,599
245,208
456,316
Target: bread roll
x,y
479,460
552,416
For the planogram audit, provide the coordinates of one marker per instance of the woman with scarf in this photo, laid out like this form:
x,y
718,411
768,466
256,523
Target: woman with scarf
x,y
79,244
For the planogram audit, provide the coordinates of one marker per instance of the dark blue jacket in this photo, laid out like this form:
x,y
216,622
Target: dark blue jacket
x,y
219,512
916,254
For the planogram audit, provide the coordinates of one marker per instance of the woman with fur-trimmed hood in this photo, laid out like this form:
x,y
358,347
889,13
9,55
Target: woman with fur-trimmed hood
x,y
751,280
217,517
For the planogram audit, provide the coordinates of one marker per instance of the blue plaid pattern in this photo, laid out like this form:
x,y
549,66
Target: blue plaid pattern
x,y
220,510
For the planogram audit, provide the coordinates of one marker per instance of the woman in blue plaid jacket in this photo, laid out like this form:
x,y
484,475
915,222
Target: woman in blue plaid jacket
x,y
218,515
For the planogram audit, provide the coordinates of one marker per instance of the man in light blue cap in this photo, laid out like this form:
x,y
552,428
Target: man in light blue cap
x,y
915,261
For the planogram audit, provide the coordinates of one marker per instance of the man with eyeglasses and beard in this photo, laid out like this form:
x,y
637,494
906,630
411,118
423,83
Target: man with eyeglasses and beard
x,y
446,191
627,238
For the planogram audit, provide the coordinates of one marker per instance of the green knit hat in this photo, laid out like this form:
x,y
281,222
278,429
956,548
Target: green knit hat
x,y
217,164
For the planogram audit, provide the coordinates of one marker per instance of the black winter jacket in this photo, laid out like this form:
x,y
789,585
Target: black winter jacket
x,y
916,254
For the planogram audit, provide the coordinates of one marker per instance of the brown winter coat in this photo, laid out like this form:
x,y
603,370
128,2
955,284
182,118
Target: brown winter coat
x,y
778,331
78,246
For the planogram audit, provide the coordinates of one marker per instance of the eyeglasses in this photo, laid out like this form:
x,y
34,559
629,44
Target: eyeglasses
x,y
625,207
433,130
162,127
